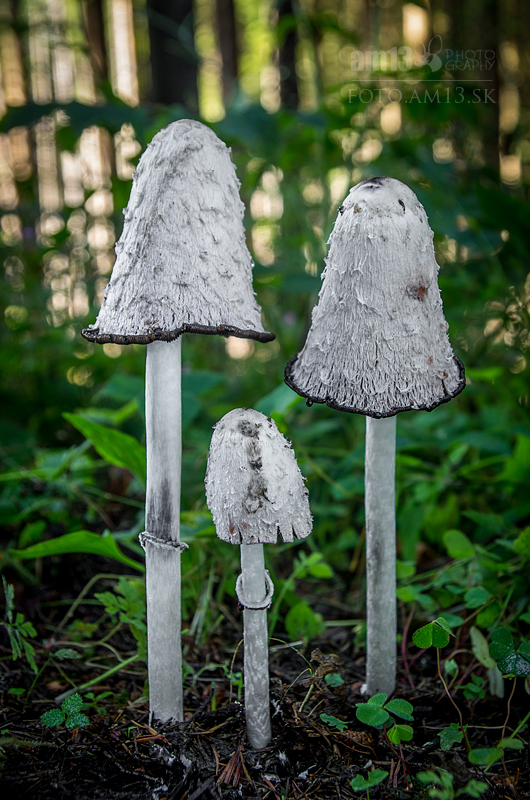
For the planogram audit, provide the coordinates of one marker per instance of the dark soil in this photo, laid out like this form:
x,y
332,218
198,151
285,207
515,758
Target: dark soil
x,y
121,756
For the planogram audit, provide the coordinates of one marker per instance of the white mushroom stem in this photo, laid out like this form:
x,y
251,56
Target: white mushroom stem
x,y
380,515
162,518
256,649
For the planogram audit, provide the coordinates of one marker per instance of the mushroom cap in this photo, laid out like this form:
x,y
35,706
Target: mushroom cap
x,y
182,262
254,487
378,341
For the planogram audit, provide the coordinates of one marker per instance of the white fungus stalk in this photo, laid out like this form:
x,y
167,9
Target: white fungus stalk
x,y
380,516
162,526
378,345
182,265
255,491
256,650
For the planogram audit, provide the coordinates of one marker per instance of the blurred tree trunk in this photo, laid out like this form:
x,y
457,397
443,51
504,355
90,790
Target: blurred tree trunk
x,y
173,58
490,32
95,35
475,27
288,81
227,35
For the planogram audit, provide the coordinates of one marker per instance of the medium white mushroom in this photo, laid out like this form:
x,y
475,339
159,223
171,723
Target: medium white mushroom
x,y
255,491
182,266
378,345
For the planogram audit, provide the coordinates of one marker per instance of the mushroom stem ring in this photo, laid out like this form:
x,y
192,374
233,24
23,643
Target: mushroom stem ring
x,y
265,603
169,544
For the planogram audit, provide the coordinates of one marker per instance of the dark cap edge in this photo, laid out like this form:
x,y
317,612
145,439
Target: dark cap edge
x,y
93,335
351,410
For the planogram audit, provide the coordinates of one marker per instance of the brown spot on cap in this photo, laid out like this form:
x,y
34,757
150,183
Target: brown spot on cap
x,y
419,291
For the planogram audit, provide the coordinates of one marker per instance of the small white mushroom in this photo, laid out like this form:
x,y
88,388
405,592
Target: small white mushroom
x,y
182,265
255,491
378,345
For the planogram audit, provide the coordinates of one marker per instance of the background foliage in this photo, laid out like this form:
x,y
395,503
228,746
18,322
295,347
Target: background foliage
x,y
85,87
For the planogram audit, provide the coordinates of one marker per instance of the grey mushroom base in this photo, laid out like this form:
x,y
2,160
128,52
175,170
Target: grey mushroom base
x,y
329,401
94,335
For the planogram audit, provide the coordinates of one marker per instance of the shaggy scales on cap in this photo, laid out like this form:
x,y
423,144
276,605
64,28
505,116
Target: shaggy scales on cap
x,y
378,340
182,262
254,487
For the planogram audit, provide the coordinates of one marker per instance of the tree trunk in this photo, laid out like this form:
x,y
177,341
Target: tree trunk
x,y
288,81
173,58
95,34
226,27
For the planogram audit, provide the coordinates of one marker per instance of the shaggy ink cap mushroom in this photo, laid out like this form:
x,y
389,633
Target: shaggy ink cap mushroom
x,y
254,487
182,262
378,340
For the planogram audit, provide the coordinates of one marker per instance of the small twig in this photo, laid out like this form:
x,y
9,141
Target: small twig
x,y
506,774
448,693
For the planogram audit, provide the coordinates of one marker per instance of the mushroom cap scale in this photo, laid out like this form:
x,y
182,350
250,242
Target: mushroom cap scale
x,y
182,262
378,340
254,487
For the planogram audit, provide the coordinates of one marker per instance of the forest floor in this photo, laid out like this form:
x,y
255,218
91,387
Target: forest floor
x,y
121,756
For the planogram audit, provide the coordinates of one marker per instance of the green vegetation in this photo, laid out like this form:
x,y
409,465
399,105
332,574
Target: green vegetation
x,y
72,452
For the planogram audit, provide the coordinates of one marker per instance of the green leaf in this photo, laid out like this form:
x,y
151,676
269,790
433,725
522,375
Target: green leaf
x,y
377,700
333,679
400,708
480,648
522,543
517,467
451,667
278,402
405,569
9,593
319,568
400,733
477,597
485,756
333,722
72,704
369,715
473,788
524,650
52,718
122,388
29,652
32,533
435,634
502,649
115,447
429,776
511,744
65,653
78,542
303,623
450,736
77,721
375,777
458,545
501,643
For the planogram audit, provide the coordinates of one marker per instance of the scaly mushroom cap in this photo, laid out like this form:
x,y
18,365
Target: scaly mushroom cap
x,y
182,261
254,487
378,340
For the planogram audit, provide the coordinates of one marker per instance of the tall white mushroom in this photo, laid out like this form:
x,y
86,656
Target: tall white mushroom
x,y
182,266
378,345
255,491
